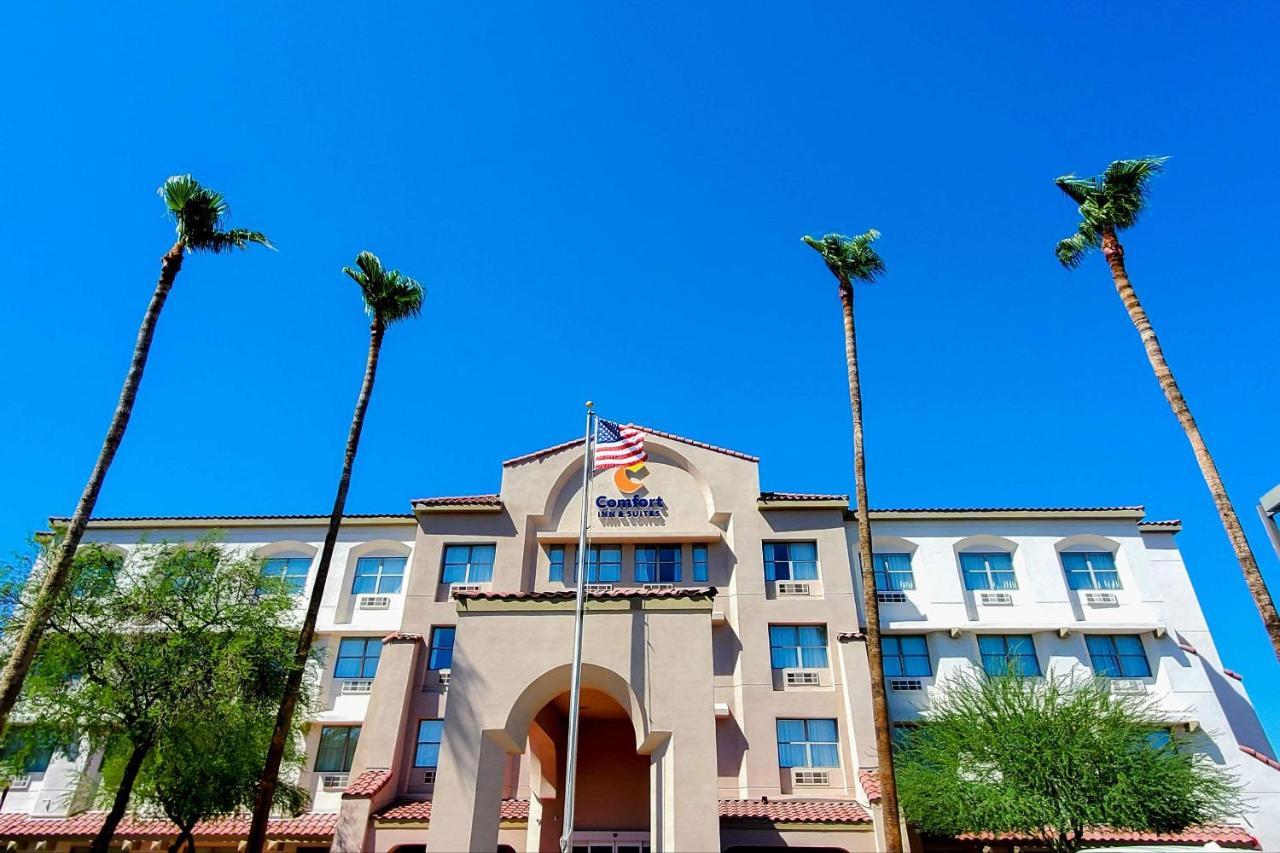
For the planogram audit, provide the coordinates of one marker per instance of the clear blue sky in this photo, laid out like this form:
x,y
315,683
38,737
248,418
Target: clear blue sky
x,y
613,198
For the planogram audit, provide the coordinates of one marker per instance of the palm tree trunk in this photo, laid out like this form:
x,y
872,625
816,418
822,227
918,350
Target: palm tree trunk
x,y
284,719
121,801
55,580
1114,253
871,605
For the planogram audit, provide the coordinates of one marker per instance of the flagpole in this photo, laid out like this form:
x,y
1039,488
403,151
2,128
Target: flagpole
x,y
575,681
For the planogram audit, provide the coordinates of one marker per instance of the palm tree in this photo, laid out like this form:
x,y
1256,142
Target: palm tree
x,y
1110,204
854,259
199,214
389,297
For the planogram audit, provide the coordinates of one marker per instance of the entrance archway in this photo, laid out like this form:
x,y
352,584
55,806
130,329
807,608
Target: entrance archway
x,y
612,811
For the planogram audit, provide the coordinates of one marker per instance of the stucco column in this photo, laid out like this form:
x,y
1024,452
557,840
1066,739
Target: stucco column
x,y
468,792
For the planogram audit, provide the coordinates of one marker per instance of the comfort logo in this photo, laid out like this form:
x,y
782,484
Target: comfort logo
x,y
627,480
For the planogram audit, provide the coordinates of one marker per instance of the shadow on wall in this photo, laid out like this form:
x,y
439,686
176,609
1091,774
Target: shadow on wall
x,y
1241,716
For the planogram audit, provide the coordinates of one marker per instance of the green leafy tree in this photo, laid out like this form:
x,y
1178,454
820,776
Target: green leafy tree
x,y
1047,759
199,214
389,297
853,259
1109,204
138,649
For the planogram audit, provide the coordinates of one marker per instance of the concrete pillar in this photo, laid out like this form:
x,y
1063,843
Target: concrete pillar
x,y
468,792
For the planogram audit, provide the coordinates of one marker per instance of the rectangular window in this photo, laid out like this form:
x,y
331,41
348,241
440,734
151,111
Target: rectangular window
x,y
604,564
1118,655
378,575
556,555
808,743
38,756
790,561
893,571
291,570
441,656
427,752
906,655
337,748
798,646
468,564
358,657
700,564
658,564
988,571
1091,570
1012,654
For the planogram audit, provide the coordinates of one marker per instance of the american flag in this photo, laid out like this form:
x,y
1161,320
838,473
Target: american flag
x,y
618,446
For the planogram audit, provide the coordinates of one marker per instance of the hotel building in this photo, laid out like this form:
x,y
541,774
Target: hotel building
x,y
725,682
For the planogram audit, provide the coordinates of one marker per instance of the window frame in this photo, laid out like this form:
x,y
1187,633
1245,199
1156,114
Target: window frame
x,y
661,562
797,650
701,565
420,743
772,563
987,571
296,584
556,555
363,657
470,565
380,574
1020,660
808,743
884,573
1090,572
1118,656
436,648
902,658
348,753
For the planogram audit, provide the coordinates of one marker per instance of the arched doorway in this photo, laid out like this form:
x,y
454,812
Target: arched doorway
x,y
612,812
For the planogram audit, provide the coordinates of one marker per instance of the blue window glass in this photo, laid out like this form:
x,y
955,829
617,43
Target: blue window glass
x,y
441,656
38,754
378,575
468,564
337,748
658,564
427,751
556,555
893,571
1160,739
358,657
906,655
798,646
700,564
1118,655
291,570
790,561
604,564
1091,570
808,743
988,571
1012,654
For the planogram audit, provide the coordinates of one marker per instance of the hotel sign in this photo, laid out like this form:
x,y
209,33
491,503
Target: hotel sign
x,y
629,481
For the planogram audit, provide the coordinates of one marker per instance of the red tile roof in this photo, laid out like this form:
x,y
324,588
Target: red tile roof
x,y
847,636
794,811
311,826
1231,836
557,448
870,779
1171,522
368,783
319,519
401,636
618,592
783,497
1265,759
460,500
1233,674
420,810
1188,648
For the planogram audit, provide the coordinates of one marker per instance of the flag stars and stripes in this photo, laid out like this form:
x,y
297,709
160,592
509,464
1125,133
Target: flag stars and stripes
x,y
617,446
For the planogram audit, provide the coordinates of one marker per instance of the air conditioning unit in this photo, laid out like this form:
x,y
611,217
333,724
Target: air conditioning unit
x,y
793,588
659,587
1101,599
597,588
19,783
995,599
1128,686
334,781
357,687
802,678
373,602
892,597
442,677
455,588
803,778
906,684
429,776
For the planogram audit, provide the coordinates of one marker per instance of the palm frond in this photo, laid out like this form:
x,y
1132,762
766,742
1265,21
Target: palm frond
x,y
199,212
1072,250
850,258
389,295
1077,189
1112,201
235,238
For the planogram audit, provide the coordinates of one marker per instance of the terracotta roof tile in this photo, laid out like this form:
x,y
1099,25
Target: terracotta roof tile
x,y
368,783
1171,522
401,637
319,519
1188,648
1265,759
783,497
618,592
557,448
1233,674
420,810
458,500
978,510
794,811
310,826
870,779
1231,836
850,636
